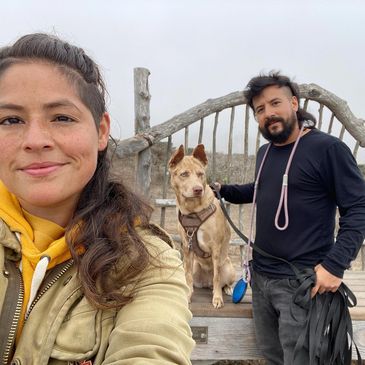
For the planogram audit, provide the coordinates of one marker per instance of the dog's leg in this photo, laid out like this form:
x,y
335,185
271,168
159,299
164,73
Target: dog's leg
x,y
217,287
228,276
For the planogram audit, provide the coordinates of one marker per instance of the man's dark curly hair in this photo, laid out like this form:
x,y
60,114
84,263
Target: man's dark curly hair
x,y
258,83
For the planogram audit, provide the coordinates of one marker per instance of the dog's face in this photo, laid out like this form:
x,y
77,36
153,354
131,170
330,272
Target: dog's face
x,y
187,173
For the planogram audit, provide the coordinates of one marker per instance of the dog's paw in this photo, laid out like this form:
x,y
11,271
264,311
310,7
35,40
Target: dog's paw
x,y
217,302
228,290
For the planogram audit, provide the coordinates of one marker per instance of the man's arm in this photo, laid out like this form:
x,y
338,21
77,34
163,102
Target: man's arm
x,y
237,194
345,181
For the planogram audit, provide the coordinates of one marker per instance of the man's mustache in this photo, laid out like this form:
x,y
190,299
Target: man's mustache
x,y
272,120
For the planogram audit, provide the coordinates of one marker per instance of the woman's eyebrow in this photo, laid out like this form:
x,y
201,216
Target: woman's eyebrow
x,y
60,103
11,106
51,105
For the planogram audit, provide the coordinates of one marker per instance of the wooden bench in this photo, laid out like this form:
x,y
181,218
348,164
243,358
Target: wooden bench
x,y
228,334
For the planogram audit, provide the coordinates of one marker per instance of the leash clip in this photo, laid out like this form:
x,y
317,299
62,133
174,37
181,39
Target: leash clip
x,y
190,234
246,273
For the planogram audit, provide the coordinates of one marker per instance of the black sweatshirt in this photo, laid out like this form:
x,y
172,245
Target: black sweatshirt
x,y
323,175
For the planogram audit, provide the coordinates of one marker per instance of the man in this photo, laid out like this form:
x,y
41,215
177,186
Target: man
x,y
322,175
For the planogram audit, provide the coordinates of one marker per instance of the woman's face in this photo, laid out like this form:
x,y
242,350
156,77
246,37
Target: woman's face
x,y
48,140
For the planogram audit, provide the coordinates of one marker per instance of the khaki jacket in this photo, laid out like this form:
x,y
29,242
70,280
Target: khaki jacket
x,y
63,328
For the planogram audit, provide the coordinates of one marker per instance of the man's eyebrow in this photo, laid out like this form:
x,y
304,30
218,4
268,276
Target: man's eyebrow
x,y
258,106
276,98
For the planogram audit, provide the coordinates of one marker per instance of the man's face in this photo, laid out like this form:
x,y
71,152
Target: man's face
x,y
275,110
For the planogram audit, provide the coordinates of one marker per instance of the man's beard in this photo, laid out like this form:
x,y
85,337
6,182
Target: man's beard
x,y
288,126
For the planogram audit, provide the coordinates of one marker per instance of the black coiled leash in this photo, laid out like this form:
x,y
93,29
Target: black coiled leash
x,y
327,337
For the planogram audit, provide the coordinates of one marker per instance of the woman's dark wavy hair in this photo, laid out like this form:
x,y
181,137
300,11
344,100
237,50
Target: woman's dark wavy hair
x,y
257,84
102,233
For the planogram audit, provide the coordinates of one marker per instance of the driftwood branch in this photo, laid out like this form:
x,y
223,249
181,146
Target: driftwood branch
x,y
339,107
141,141
142,99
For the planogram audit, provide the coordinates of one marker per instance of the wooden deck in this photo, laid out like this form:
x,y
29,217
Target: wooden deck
x,y
227,333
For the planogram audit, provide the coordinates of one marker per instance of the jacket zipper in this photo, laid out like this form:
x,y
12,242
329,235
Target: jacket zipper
x,y
51,281
18,283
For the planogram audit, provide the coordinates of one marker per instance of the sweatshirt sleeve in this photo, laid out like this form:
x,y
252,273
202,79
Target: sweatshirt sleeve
x,y
154,327
344,180
238,194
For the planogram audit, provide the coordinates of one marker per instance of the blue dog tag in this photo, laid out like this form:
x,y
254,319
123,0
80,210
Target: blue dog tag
x,y
239,290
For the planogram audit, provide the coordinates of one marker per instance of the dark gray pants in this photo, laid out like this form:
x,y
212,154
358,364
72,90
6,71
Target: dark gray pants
x,y
276,330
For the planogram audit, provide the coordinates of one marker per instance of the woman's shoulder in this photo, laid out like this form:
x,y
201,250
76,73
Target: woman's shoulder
x,y
157,241
153,232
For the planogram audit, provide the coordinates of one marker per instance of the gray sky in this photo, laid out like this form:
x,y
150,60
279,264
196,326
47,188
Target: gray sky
x,y
200,49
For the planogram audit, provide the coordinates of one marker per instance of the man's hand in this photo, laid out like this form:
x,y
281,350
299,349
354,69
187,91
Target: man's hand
x,y
215,186
325,281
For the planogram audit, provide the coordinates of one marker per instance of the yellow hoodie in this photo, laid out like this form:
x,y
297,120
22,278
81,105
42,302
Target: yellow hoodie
x,y
38,238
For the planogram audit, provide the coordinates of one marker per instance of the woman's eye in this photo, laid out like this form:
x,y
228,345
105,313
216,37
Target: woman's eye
x,y
63,118
10,121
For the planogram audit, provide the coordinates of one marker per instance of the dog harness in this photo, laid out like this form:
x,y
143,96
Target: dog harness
x,y
191,223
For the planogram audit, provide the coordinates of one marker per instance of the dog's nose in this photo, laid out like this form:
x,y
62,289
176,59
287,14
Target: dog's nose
x,y
197,190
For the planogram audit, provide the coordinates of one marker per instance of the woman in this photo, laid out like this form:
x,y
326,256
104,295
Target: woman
x,y
85,278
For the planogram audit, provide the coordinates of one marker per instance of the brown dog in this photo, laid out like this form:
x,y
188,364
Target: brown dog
x,y
206,234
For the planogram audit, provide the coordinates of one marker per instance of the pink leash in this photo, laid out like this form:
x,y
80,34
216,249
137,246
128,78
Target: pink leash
x,y
283,201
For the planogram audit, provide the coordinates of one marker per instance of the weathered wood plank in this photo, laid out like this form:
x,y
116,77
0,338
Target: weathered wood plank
x,y
338,106
228,334
230,145
201,300
214,147
234,339
146,138
165,202
142,99
226,339
201,306
165,180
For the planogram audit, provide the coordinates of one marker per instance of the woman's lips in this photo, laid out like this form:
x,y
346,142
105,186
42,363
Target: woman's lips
x,y
41,169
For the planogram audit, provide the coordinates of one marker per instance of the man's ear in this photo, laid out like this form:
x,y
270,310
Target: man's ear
x,y
177,157
199,153
295,103
104,130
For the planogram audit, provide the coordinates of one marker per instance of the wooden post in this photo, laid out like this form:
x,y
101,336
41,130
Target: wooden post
x,y
142,99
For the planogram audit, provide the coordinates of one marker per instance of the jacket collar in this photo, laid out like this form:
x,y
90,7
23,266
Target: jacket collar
x,y
9,240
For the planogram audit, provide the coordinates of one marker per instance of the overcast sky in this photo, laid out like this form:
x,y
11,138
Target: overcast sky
x,y
200,49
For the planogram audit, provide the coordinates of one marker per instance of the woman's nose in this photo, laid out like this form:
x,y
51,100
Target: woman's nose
x,y
36,136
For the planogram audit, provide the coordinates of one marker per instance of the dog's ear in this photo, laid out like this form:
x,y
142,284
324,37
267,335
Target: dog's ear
x,y
177,156
199,153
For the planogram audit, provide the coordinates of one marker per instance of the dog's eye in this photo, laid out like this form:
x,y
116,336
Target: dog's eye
x,y
184,174
200,174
